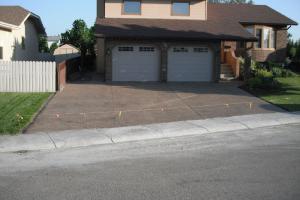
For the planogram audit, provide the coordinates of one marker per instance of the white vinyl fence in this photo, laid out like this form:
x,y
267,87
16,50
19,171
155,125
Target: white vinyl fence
x,y
27,76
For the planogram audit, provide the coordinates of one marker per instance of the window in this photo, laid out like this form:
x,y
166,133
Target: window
x,y
180,49
1,53
181,8
259,38
241,45
272,39
23,43
266,38
201,50
250,30
125,48
132,7
148,49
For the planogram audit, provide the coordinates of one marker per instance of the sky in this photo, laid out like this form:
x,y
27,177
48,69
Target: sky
x,y
58,15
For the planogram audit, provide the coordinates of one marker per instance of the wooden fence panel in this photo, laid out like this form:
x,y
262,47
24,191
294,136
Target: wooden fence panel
x,y
27,76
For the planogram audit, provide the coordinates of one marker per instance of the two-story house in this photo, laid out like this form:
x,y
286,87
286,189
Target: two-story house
x,y
183,40
19,34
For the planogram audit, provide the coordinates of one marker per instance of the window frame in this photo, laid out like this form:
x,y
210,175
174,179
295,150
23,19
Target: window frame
x,y
180,50
23,43
270,40
180,1
1,52
126,49
146,49
123,7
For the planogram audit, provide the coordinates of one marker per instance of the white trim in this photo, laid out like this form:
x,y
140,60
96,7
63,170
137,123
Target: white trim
x,y
25,19
8,26
11,26
263,28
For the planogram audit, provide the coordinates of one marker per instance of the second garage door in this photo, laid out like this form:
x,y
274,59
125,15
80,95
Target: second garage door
x,y
135,63
190,64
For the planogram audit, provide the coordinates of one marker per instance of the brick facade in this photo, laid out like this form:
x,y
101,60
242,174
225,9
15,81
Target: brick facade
x,y
278,55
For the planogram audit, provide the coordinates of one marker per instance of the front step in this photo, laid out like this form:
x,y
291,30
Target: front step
x,y
226,72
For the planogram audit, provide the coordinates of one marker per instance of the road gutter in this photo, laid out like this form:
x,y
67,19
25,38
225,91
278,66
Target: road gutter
x,y
90,137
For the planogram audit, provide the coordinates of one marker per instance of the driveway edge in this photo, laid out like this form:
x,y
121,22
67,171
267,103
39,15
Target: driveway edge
x,y
89,137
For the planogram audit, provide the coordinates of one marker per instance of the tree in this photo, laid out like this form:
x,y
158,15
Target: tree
x,y
81,37
53,47
232,1
43,44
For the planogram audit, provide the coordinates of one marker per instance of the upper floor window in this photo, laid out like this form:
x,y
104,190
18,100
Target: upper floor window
x,y
132,7
1,53
181,8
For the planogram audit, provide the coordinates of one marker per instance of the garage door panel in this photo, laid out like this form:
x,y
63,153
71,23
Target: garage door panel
x,y
136,65
189,65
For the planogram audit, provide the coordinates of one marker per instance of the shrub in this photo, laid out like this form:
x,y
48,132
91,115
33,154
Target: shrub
x,y
263,79
279,71
254,83
264,74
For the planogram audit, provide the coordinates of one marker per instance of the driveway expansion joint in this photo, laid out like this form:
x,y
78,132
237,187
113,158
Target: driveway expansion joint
x,y
55,146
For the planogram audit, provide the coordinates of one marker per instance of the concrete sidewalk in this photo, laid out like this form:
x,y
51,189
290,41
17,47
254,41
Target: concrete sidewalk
x,y
89,137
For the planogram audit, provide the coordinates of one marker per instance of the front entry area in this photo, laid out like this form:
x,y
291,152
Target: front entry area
x,y
135,63
190,64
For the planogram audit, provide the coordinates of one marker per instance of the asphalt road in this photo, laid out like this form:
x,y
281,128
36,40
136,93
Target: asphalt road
x,y
258,164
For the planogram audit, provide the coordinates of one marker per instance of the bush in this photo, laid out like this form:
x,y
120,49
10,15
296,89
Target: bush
x,y
263,79
277,71
254,83
264,74
280,71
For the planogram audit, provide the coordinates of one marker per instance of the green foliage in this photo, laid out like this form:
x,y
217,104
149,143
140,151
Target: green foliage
x,y
264,74
280,71
287,96
43,45
81,37
18,109
262,78
292,52
254,83
293,49
53,47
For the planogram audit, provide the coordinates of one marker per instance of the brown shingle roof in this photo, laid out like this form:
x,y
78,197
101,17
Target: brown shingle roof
x,y
248,14
224,23
171,29
13,15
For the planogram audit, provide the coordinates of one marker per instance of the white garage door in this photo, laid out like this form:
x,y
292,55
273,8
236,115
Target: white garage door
x,y
190,64
135,63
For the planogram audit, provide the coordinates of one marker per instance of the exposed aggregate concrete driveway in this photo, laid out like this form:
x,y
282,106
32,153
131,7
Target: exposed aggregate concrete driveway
x,y
107,105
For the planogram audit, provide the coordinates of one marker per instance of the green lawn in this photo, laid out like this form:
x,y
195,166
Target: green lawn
x,y
288,97
18,109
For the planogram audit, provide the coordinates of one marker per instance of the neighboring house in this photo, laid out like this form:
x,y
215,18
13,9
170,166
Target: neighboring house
x,y
65,52
19,34
184,40
53,39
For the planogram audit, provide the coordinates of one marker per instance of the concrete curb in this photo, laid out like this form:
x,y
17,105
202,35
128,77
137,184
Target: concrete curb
x,y
89,137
